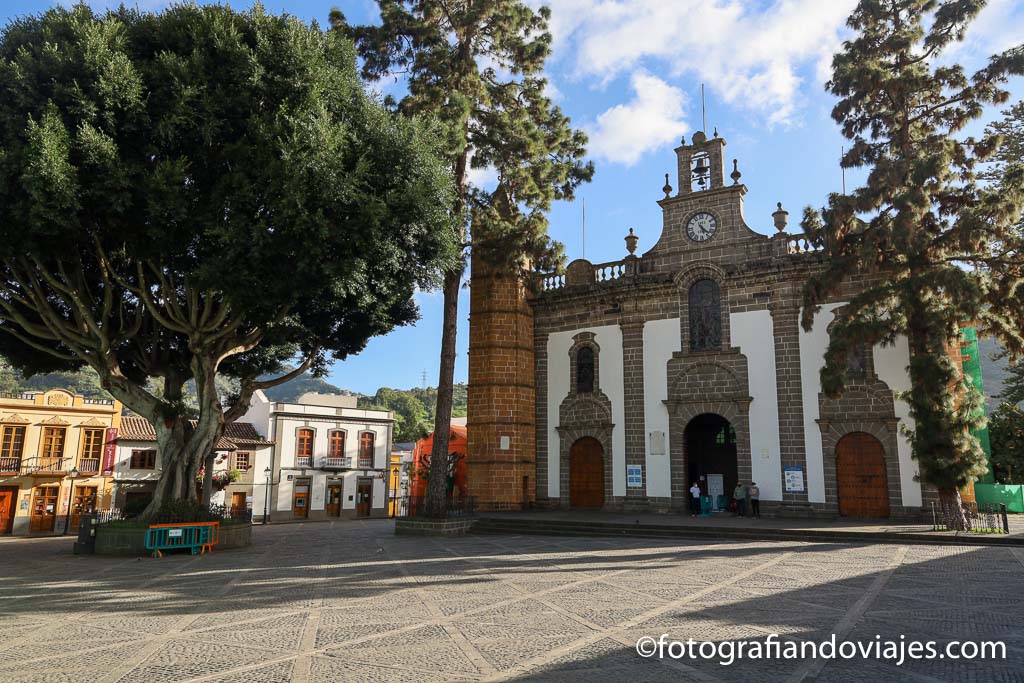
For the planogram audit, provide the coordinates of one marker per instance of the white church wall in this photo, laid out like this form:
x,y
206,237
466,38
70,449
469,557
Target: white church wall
x,y
812,359
609,339
891,367
661,340
753,333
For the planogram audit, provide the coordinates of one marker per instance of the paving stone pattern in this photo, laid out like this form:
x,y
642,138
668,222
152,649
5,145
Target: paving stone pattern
x,y
350,601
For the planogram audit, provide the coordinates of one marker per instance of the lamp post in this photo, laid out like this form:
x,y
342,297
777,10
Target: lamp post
x,y
72,475
394,491
266,497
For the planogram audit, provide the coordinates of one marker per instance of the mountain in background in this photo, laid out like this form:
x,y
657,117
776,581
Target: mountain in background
x,y
413,408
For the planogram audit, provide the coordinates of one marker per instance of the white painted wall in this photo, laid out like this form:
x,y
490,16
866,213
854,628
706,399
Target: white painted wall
x,y
609,339
661,340
753,333
812,358
891,363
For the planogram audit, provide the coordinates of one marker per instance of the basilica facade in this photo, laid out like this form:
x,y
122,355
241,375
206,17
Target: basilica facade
x,y
618,385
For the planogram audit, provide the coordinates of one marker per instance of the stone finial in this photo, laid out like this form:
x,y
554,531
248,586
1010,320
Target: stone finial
x,y
699,138
780,216
631,241
682,141
668,188
735,175
716,131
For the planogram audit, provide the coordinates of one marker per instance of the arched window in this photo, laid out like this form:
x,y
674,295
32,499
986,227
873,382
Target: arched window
x,y
366,440
857,361
336,444
304,444
705,316
585,370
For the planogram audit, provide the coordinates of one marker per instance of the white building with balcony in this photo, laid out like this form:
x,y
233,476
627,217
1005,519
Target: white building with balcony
x,y
329,460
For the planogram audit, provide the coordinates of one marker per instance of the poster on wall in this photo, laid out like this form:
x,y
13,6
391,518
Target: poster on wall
x,y
109,453
634,476
794,477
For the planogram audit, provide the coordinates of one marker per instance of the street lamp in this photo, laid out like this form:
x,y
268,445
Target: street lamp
x,y
393,493
72,475
266,497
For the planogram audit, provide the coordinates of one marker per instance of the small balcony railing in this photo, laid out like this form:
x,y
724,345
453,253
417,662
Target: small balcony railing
x,y
335,463
88,465
365,463
44,465
304,461
10,465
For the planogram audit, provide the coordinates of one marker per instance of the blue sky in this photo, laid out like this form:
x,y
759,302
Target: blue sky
x,y
629,72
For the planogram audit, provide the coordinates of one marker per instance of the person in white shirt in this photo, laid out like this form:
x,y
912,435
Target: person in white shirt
x,y
694,500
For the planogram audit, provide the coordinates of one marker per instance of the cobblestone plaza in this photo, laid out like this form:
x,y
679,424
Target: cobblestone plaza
x,y
352,602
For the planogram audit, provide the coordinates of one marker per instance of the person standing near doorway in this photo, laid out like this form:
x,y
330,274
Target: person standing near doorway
x,y
754,494
739,494
694,500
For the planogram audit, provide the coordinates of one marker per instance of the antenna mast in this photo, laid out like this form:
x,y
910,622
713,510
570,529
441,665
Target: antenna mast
x,y
584,228
842,153
703,111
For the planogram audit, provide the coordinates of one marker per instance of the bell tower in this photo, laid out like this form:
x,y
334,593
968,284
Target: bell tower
x,y
501,425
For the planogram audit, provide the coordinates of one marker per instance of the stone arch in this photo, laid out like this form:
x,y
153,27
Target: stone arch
x,y
684,281
709,378
584,340
735,411
884,431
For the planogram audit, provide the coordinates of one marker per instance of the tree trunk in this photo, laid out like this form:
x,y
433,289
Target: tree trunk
x,y
953,510
208,478
437,481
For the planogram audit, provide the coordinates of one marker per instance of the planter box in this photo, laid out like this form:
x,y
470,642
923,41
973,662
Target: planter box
x,y
433,527
132,541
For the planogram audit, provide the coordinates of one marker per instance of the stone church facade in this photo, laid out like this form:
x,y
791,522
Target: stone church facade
x,y
617,385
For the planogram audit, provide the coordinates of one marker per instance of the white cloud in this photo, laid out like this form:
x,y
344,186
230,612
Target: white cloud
x,y
757,56
654,117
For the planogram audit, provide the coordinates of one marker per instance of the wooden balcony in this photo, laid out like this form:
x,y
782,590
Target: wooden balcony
x,y
10,465
88,465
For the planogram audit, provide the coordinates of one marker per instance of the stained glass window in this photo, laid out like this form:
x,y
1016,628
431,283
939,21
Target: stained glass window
x,y
705,316
585,370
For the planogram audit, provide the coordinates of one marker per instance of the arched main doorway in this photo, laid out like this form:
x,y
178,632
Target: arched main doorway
x,y
863,487
586,473
710,445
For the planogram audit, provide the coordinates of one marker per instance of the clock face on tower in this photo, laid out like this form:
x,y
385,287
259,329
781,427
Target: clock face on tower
x,y
701,227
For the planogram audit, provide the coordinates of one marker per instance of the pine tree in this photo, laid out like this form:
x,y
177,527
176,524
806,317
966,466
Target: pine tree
x,y
945,241
476,65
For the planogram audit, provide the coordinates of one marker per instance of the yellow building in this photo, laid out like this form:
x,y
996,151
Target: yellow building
x,y
57,454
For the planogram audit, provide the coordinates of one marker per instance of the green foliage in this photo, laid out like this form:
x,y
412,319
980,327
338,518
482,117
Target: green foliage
x,y
414,408
1006,432
921,216
203,192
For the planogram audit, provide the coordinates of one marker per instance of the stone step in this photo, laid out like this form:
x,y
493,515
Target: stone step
x,y
551,527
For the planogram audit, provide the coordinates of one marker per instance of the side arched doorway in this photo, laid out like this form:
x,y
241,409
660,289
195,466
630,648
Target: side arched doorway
x,y
586,473
861,481
710,447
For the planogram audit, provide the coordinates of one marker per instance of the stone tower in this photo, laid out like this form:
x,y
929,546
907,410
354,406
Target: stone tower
x,y
501,426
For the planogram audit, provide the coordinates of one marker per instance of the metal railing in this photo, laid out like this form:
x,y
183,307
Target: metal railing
x,y
46,465
88,465
986,518
10,465
416,506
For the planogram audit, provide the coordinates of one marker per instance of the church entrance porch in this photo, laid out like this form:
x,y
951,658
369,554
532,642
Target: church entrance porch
x,y
861,479
710,443
586,474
